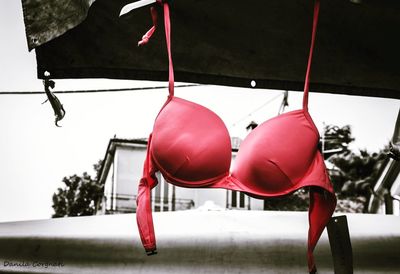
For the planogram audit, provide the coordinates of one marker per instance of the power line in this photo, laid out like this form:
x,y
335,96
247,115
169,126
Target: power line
x,y
255,110
94,90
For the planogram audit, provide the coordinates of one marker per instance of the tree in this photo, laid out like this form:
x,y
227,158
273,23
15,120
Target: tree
x,y
354,174
80,195
297,201
336,140
358,171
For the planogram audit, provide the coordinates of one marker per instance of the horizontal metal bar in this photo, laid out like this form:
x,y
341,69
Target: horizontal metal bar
x,y
231,241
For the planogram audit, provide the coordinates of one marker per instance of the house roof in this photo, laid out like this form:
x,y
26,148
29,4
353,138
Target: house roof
x,y
110,152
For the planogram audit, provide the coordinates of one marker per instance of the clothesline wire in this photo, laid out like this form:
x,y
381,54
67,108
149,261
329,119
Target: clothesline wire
x,y
130,89
256,109
94,90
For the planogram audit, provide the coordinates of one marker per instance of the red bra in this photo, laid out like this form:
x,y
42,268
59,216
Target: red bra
x,y
191,147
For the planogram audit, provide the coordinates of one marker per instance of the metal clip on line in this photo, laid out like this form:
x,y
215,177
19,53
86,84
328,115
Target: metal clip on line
x,y
58,109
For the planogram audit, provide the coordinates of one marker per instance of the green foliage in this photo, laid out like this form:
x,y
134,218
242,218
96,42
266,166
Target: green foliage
x,y
351,204
354,174
337,138
80,196
357,172
297,201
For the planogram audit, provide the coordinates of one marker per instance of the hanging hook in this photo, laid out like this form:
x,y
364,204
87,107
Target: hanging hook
x,y
58,109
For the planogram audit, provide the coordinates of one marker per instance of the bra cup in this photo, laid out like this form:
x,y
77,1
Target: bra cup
x,y
277,154
190,143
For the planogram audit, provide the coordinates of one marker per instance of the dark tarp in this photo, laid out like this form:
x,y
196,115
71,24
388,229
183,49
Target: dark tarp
x,y
46,20
233,42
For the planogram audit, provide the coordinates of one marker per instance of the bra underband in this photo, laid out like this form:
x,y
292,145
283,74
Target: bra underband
x,y
191,147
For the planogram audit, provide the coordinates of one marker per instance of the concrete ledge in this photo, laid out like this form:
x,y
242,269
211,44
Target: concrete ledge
x,y
192,241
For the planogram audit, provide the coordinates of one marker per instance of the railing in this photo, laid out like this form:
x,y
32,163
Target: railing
x,y
122,203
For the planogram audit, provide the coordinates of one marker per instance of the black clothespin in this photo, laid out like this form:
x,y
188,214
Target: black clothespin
x,y
285,102
59,111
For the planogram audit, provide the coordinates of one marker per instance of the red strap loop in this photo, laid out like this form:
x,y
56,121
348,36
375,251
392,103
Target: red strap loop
x,y
150,32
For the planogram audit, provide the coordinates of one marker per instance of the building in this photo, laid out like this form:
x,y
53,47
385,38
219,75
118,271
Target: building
x,y
122,171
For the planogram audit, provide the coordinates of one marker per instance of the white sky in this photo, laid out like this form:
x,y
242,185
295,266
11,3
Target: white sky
x,y
35,155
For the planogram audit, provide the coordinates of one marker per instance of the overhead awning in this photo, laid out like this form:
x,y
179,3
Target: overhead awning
x,y
224,43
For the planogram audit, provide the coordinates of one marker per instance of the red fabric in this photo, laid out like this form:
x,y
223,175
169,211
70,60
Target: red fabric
x,y
150,32
191,147
314,31
143,211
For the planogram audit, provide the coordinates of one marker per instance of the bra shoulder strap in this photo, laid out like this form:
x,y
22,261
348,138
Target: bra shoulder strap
x,y
314,30
167,26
